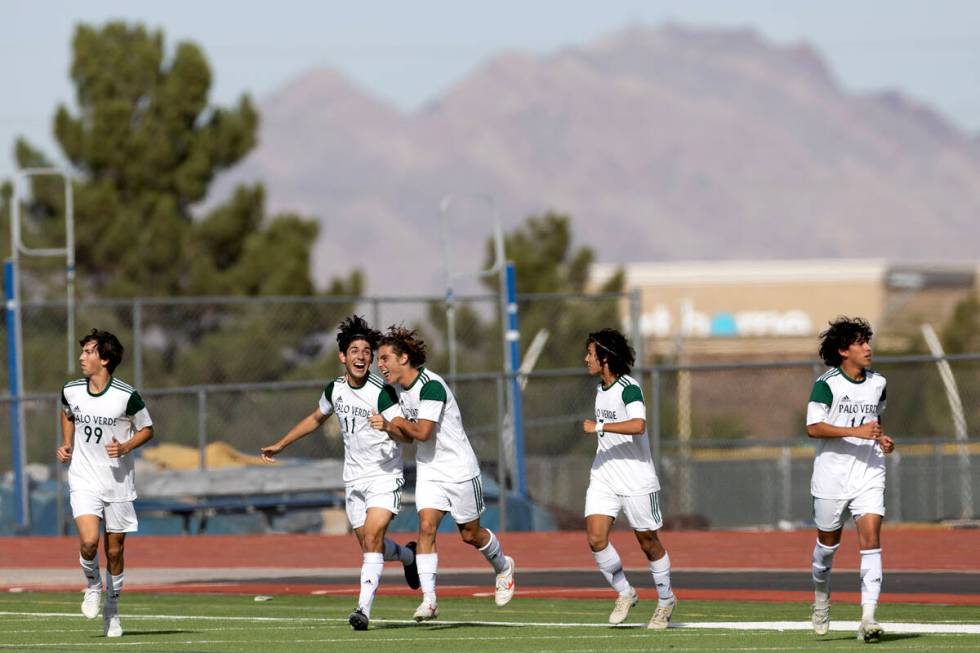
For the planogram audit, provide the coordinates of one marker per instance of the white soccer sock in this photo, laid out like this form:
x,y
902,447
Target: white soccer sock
x,y
371,568
494,553
113,585
394,551
661,576
871,576
428,563
91,570
612,568
823,560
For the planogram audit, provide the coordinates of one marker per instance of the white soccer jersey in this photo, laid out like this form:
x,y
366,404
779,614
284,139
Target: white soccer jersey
x,y
446,456
623,462
116,412
845,467
368,453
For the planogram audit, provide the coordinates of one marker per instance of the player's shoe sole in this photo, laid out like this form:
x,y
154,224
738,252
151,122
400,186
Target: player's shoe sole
x,y
412,570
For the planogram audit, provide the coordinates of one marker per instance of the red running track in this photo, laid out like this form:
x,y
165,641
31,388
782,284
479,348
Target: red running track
x,y
905,549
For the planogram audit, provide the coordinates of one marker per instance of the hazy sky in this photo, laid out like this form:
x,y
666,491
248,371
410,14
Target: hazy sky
x,y
409,52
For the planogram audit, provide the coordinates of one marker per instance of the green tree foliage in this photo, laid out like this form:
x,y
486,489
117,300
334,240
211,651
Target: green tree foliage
x,y
546,263
144,145
553,278
962,333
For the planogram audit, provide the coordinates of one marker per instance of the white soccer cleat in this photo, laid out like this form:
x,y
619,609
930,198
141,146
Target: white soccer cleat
x,y
110,621
622,608
426,611
505,584
90,602
820,617
661,616
870,631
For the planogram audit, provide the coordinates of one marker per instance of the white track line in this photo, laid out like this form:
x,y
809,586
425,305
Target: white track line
x,y
922,628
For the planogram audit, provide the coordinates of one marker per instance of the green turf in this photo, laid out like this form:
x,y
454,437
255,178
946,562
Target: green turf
x,y
209,623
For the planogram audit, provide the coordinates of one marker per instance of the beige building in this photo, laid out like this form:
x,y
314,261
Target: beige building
x,y
746,308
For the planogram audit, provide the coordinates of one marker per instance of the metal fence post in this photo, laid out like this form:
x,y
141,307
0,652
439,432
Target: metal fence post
x,y
636,308
786,476
202,428
59,472
655,419
501,453
894,462
137,344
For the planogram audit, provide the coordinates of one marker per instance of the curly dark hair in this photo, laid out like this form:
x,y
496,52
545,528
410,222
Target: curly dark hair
x,y
611,347
405,341
356,328
108,346
843,332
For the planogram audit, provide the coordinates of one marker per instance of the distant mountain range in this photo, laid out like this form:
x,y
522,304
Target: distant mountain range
x,y
662,144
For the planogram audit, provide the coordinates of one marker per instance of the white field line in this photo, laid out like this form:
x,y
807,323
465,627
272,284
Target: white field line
x,y
890,627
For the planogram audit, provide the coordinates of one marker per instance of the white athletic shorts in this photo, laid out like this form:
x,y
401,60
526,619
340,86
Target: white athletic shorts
x,y
464,501
119,516
381,492
642,510
828,514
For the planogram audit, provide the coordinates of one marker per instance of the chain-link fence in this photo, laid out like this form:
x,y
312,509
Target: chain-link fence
x,y
729,440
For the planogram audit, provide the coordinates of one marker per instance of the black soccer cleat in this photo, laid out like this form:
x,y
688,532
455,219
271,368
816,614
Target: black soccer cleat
x,y
358,620
412,570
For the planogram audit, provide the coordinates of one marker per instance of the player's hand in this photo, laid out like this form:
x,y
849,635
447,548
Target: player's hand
x,y
64,454
869,430
886,443
588,426
378,422
115,449
269,453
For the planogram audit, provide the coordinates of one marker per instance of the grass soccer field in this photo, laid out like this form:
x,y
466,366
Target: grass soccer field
x,y
207,623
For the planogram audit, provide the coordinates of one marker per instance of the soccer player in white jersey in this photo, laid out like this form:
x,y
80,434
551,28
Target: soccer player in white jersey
x,y
623,477
372,460
447,471
844,416
102,421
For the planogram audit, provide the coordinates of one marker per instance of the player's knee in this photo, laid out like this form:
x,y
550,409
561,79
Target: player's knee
x,y
427,530
471,536
89,548
372,542
598,541
114,552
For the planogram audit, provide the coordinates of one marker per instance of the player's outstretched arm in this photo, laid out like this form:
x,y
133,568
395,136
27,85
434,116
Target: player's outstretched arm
x,y
304,427
115,448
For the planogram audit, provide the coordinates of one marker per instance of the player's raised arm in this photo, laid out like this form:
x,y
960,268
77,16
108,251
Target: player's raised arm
x,y
304,427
